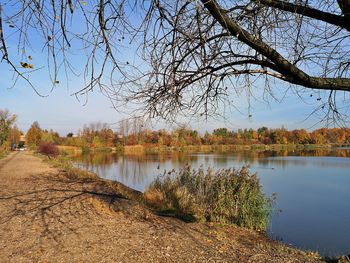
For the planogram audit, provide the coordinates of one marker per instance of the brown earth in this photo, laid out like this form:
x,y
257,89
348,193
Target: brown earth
x,y
48,215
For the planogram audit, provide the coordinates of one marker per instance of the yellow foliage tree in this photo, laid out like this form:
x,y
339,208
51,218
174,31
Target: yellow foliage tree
x,y
33,135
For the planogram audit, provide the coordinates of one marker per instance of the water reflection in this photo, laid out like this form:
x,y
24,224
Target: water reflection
x,y
312,187
138,171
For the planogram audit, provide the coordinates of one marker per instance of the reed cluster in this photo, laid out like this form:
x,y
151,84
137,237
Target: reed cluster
x,y
224,196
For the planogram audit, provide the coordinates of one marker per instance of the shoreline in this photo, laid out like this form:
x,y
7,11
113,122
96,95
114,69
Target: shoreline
x,y
99,209
138,196
313,148
147,149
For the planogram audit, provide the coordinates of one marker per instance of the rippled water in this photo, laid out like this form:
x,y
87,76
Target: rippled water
x,y
313,188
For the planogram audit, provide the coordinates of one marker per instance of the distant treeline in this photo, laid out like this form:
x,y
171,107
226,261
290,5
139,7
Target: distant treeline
x,y
100,135
105,137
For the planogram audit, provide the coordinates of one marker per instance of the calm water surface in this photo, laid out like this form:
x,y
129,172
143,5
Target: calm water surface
x,y
312,210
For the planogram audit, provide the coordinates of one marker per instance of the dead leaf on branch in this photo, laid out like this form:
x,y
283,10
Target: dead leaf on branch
x,y
26,65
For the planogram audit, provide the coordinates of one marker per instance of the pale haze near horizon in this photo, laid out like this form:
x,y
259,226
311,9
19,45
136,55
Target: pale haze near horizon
x,y
63,113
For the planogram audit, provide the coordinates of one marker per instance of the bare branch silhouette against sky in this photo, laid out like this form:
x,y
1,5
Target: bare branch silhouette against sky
x,y
185,57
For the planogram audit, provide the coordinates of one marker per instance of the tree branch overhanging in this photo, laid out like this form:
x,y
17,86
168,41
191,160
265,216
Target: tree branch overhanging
x,y
188,54
337,20
344,5
294,74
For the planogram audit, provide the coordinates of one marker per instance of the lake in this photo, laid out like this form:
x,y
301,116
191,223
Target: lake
x,y
312,210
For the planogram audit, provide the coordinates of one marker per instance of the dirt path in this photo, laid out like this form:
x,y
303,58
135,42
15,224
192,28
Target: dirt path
x,y
48,216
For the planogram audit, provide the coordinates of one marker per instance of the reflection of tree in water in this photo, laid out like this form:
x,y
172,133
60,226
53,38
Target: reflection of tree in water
x,y
99,162
136,169
140,169
252,157
132,169
331,152
342,153
98,158
262,158
220,160
183,158
302,160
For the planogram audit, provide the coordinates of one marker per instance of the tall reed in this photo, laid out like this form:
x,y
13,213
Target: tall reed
x,y
225,196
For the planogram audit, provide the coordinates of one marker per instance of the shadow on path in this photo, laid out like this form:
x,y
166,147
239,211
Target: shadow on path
x,y
53,203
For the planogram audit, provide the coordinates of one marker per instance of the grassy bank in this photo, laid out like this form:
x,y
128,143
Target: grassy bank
x,y
66,150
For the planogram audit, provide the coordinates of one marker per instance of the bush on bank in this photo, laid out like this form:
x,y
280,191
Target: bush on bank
x,y
49,149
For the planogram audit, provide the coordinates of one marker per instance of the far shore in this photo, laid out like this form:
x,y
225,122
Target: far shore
x,y
142,149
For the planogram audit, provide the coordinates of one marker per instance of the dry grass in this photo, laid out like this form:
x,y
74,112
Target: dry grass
x,y
3,152
226,196
134,149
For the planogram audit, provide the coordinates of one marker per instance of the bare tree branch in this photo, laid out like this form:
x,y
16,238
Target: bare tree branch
x,y
296,76
305,10
188,57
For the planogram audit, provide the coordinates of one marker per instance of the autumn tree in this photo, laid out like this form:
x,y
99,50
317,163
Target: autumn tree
x,y
14,135
6,120
34,134
195,55
107,136
50,136
223,134
95,134
153,137
299,136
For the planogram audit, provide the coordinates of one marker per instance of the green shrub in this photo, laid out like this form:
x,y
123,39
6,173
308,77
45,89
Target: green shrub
x,y
225,196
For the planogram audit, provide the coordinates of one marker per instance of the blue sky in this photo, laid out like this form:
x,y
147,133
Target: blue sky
x,y
64,113
58,111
